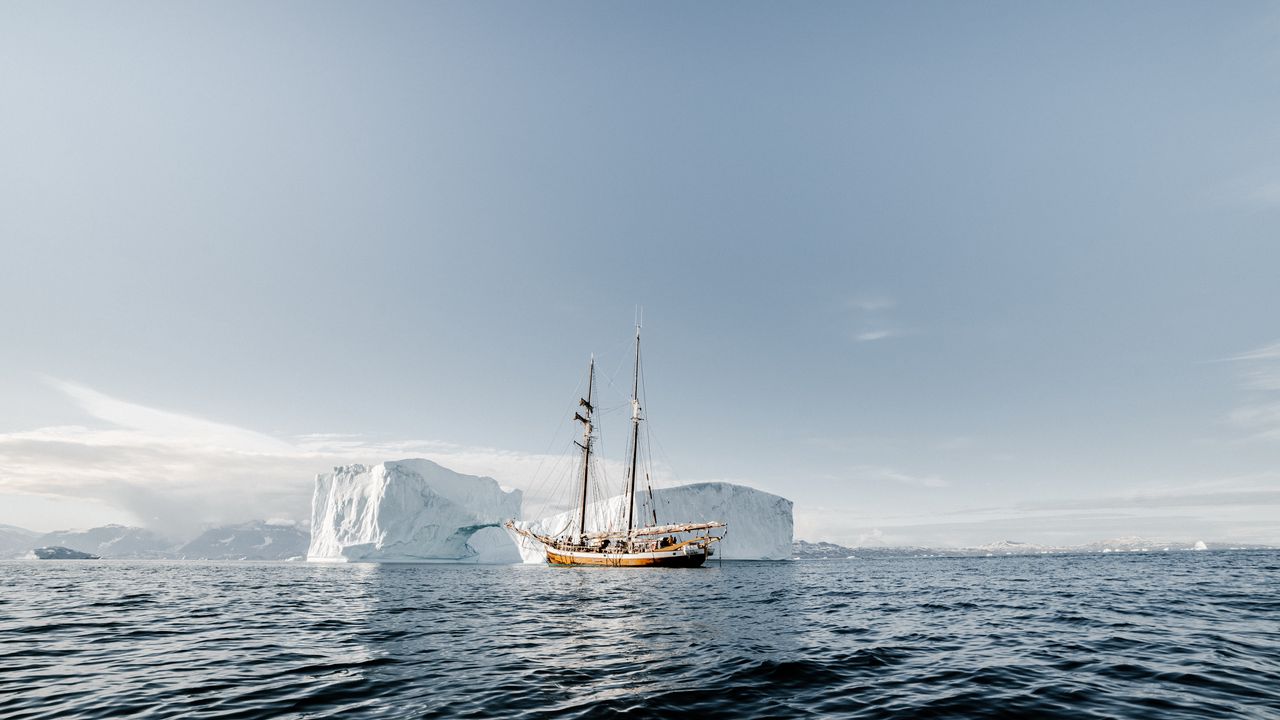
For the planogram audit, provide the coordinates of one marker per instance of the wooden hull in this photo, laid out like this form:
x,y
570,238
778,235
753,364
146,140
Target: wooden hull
x,y
676,558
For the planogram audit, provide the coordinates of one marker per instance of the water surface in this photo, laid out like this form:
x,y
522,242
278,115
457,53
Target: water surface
x,y
1176,635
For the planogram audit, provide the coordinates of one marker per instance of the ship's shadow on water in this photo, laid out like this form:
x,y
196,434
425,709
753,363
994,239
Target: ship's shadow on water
x,y
1178,635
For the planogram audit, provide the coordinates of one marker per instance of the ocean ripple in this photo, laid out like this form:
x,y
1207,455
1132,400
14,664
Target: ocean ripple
x,y
1168,635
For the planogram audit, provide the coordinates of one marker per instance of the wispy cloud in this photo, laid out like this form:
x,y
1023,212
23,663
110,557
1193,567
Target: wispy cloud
x,y
167,427
1261,379
875,473
175,472
872,318
1252,496
1266,194
1260,375
1266,352
1262,421
874,335
1238,509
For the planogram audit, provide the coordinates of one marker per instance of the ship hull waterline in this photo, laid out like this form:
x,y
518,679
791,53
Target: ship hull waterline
x,y
677,559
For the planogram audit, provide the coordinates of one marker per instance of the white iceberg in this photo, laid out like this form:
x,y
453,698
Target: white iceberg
x,y
760,523
410,511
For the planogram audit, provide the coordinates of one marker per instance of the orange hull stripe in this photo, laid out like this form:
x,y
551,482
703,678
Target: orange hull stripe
x,y
622,560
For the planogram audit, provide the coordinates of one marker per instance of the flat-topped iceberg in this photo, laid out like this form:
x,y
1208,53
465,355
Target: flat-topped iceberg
x,y
410,511
760,523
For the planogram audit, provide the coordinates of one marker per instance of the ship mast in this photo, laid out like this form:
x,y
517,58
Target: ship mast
x,y
586,446
635,440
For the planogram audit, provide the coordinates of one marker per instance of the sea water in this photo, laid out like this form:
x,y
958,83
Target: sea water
x,y
1156,635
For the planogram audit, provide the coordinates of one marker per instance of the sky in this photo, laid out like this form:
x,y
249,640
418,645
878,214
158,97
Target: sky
x,y
941,273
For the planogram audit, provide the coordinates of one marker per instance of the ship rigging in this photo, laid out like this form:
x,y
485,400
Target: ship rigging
x,y
646,544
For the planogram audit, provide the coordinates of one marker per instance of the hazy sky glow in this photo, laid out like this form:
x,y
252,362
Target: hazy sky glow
x,y
939,272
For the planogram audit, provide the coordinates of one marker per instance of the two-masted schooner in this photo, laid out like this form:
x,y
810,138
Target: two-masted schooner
x,y
636,545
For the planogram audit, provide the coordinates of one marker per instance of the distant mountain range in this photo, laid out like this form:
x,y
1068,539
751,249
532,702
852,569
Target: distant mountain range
x,y
261,540
16,541
248,541
255,540
802,550
119,541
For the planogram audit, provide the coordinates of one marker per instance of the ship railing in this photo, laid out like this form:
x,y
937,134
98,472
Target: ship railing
x,y
619,541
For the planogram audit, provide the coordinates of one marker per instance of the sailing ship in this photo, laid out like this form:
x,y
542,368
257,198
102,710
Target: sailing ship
x,y
635,545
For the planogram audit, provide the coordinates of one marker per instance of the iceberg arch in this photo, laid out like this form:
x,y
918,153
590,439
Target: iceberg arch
x,y
409,511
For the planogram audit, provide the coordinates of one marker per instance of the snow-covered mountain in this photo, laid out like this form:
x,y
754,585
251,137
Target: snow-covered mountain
x,y
409,511
760,523
16,541
1133,543
823,550
1011,547
802,550
109,541
254,540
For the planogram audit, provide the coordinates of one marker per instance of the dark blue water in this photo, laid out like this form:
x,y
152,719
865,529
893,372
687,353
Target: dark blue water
x,y
1178,635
